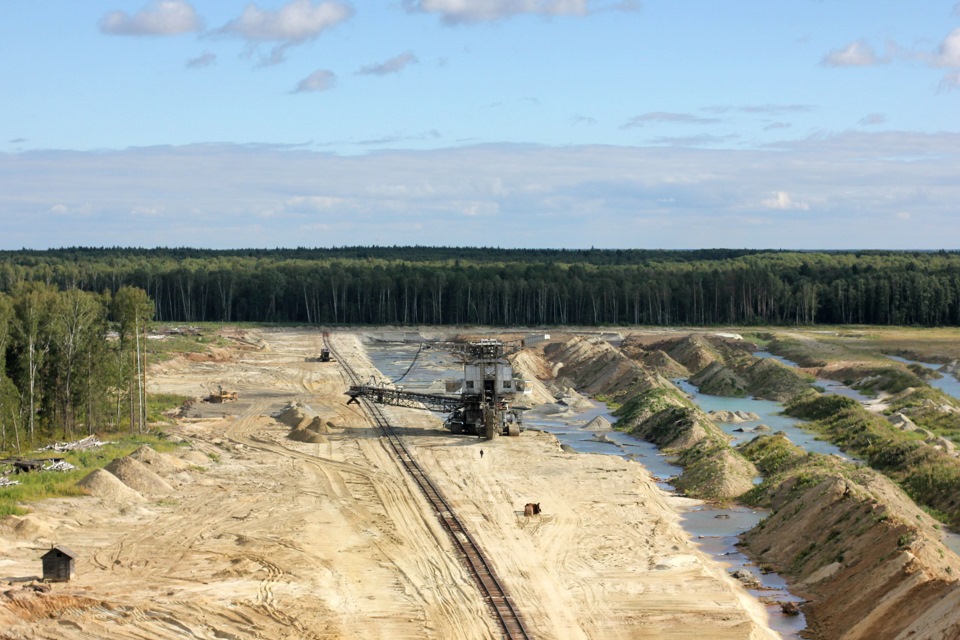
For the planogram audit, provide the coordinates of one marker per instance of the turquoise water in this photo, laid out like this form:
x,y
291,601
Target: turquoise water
x,y
770,413
714,529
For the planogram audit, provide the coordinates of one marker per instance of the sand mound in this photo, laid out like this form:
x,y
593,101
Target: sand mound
x,y
293,415
693,352
733,416
196,458
159,462
26,527
319,426
109,487
307,435
136,475
598,424
717,379
665,365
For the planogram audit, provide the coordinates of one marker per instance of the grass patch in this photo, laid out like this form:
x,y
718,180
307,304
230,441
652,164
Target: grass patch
x,y
38,486
158,404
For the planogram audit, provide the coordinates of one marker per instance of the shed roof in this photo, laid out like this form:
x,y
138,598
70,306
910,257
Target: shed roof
x,y
62,549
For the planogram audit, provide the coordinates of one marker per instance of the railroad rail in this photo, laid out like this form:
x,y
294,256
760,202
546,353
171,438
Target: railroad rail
x,y
494,593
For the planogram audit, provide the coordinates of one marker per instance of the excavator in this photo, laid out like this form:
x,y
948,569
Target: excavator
x,y
484,404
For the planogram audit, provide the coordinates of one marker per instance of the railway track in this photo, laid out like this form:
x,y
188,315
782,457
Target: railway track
x,y
494,593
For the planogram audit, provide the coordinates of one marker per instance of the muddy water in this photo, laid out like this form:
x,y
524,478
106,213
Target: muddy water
x,y
715,529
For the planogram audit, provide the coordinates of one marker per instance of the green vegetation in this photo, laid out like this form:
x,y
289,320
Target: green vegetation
x,y
773,454
457,285
925,407
160,404
37,486
930,476
72,363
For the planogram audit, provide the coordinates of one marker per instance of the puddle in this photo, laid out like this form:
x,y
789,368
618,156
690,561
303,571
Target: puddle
x,y
715,530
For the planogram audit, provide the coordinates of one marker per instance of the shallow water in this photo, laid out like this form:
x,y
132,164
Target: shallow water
x,y
830,387
714,529
947,383
770,413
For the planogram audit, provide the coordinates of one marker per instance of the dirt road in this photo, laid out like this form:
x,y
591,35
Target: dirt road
x,y
273,538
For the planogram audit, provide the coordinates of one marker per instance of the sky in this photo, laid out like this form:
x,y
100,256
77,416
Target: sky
x,y
661,124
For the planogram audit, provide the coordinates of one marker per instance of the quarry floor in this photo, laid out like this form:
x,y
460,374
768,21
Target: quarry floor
x,y
273,538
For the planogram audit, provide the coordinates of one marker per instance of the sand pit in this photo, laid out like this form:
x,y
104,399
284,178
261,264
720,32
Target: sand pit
x,y
110,488
282,540
137,476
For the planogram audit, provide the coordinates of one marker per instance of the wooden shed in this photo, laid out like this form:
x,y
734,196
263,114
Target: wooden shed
x,y
58,564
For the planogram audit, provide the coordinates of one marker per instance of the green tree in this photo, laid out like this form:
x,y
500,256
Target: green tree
x,y
133,310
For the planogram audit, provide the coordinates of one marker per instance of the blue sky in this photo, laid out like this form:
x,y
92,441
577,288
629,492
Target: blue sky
x,y
539,123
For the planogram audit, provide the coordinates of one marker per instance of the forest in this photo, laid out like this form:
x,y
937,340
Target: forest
x,y
493,286
71,362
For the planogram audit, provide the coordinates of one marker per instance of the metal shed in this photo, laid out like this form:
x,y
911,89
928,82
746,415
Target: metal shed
x,y
58,564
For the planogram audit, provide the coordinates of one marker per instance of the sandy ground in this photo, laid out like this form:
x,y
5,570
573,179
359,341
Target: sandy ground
x,y
270,538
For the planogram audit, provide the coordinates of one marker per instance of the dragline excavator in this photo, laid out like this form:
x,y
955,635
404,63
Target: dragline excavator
x,y
483,406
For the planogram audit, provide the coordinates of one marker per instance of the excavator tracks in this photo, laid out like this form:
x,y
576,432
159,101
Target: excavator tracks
x,y
494,593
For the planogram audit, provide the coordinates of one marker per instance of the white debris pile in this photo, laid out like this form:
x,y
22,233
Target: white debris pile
x,y
60,465
90,442
8,483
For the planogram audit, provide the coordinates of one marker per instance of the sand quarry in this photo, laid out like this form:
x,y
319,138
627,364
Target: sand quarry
x,y
246,532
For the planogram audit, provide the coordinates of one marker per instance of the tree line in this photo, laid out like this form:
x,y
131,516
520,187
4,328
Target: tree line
x,y
441,285
71,362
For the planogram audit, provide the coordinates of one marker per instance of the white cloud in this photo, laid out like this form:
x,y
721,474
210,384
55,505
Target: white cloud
x,y
393,65
159,18
948,54
903,215
782,200
855,54
292,24
319,80
222,196
454,12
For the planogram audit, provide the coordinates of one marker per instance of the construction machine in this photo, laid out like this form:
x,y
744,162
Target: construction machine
x,y
483,405
221,396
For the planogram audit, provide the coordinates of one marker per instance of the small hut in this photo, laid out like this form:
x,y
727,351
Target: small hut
x,y
58,564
